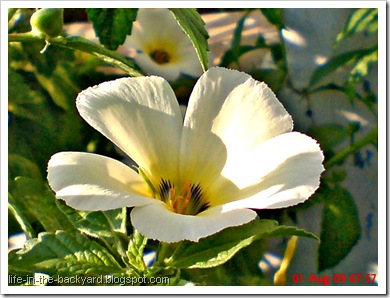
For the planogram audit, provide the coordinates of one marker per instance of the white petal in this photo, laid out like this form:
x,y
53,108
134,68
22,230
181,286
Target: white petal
x,y
281,172
141,116
157,222
92,182
228,114
153,25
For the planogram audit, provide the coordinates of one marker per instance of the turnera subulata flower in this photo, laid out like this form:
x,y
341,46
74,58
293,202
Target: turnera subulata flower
x,y
235,151
162,48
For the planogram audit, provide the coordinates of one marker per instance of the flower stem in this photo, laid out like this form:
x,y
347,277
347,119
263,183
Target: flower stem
x,y
164,252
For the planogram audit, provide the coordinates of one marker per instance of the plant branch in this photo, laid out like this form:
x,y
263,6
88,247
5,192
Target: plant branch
x,y
84,45
371,137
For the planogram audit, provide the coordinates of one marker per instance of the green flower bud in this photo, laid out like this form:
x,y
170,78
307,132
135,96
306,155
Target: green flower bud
x,y
48,21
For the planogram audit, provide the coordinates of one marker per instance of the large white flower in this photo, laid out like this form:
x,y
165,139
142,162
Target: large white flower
x,y
162,47
234,151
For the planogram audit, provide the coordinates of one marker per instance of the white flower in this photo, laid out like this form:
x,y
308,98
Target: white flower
x,y
162,47
234,151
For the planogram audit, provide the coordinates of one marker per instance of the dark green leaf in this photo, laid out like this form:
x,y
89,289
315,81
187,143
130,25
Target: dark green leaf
x,y
112,25
21,166
64,254
62,90
244,265
20,218
328,135
193,25
231,55
34,198
362,20
219,248
21,98
274,16
236,48
337,62
340,228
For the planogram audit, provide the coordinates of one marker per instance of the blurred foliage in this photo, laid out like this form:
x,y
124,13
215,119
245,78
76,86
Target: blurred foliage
x,y
43,82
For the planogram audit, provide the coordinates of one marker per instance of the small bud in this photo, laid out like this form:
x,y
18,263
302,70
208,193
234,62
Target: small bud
x,y
48,21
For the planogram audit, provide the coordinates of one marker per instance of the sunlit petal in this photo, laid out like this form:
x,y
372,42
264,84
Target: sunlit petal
x,y
281,172
88,181
228,114
141,116
157,222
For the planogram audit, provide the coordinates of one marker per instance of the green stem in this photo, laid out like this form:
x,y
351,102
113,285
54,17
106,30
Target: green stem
x,y
84,45
371,137
164,252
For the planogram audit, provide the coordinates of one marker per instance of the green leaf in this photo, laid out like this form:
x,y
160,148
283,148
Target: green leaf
x,y
363,20
274,16
362,66
64,254
135,251
99,224
328,135
219,248
112,25
340,228
110,57
337,62
193,25
232,55
20,218
21,98
62,90
34,198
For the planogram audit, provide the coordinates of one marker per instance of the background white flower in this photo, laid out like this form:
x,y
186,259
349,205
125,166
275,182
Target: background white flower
x,y
234,151
162,47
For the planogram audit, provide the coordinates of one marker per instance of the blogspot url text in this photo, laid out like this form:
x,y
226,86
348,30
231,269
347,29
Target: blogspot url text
x,y
77,280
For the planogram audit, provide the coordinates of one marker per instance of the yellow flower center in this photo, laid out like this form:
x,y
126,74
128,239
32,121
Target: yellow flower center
x,y
189,200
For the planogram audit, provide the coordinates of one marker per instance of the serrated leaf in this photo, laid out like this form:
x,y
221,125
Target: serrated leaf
x,y
34,198
362,20
99,224
340,228
336,62
219,248
135,250
194,27
112,25
64,254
